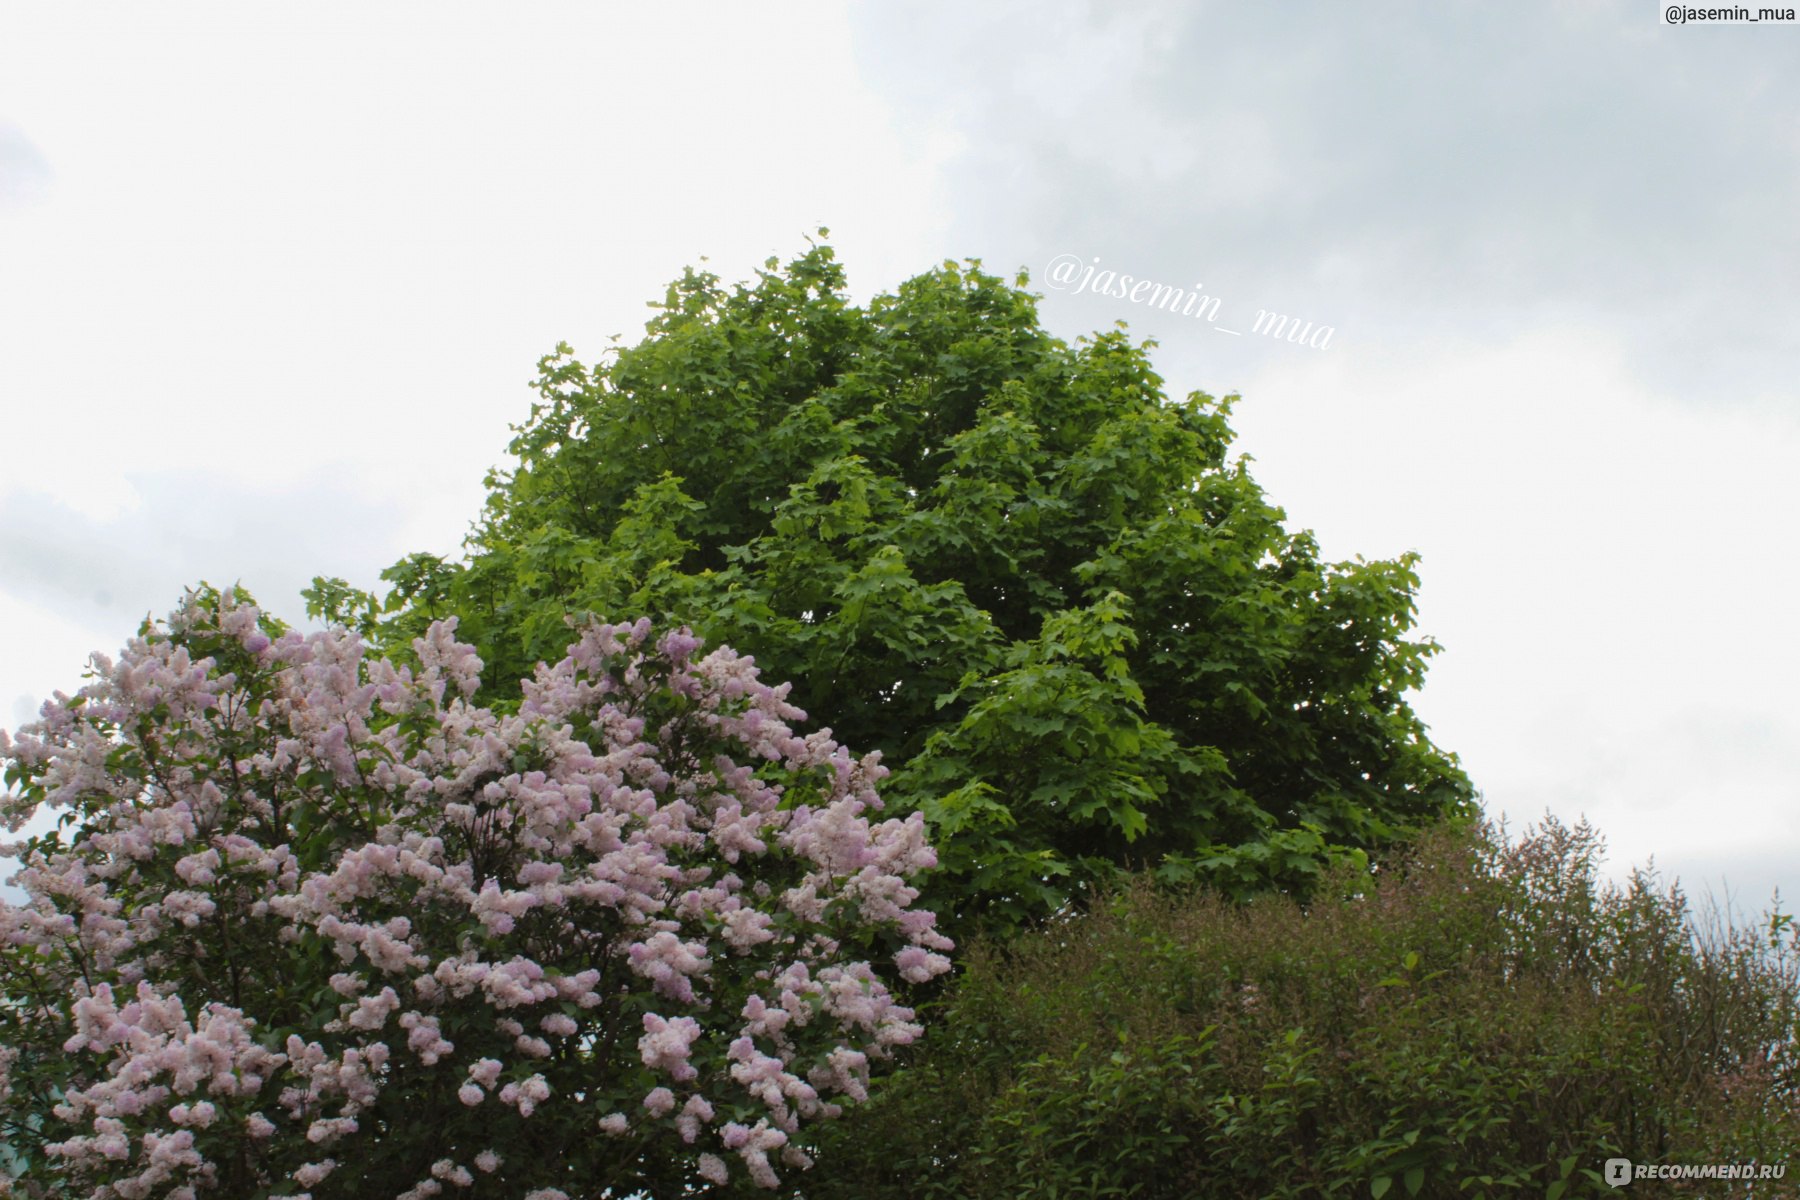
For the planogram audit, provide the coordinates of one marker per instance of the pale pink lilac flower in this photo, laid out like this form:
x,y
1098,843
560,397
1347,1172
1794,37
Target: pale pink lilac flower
x,y
591,826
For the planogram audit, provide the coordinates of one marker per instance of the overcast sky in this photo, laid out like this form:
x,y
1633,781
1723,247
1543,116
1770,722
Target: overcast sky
x,y
274,279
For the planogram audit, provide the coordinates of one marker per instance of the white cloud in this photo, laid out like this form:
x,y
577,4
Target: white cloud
x,y
299,265
1602,565
51,659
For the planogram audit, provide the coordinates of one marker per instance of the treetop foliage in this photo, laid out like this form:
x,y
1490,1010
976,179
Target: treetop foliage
x,y
1072,622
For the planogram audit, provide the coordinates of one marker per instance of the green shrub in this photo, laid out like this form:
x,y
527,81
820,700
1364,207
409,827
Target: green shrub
x,y
1489,1019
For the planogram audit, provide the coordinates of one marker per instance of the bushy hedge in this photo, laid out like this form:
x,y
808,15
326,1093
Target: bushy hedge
x,y
1492,1020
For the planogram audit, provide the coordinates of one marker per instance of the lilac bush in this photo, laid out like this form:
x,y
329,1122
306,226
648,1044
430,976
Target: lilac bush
x,y
313,924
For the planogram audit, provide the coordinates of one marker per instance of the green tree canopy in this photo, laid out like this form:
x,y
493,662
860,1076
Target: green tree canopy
x,y
1072,622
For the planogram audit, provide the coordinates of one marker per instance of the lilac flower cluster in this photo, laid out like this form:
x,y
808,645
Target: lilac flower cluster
x,y
321,925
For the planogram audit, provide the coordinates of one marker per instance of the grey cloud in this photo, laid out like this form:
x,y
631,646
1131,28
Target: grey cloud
x,y
1395,170
189,528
